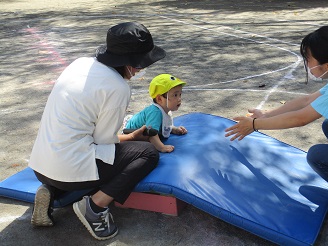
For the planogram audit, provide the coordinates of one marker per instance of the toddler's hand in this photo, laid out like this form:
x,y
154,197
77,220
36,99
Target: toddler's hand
x,y
180,130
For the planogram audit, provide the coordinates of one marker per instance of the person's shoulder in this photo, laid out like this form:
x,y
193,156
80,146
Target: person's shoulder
x,y
84,60
324,89
156,112
147,109
154,108
150,109
95,65
83,64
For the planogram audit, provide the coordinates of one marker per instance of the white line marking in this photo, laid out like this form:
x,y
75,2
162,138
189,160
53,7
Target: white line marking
x,y
274,89
142,92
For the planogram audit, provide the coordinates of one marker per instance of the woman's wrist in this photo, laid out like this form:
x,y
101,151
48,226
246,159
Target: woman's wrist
x,y
254,129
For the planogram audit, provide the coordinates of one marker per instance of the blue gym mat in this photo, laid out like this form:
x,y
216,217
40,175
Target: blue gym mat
x,y
259,184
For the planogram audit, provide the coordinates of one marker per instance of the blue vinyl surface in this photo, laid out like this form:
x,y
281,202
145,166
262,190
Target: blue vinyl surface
x,y
24,184
259,184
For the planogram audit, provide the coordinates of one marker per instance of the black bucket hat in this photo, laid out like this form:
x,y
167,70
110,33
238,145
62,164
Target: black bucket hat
x,y
129,44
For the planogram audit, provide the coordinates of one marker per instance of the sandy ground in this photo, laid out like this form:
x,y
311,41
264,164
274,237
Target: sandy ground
x,y
234,55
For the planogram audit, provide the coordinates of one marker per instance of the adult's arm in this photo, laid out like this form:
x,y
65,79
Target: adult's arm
x,y
282,121
293,105
136,135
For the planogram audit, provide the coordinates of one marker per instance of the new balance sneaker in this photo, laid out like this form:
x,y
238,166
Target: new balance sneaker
x,y
41,215
100,225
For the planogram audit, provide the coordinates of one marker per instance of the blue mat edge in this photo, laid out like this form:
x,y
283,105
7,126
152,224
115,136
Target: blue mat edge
x,y
27,196
222,214
199,203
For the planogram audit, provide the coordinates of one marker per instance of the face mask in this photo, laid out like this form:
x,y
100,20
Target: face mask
x,y
137,75
314,78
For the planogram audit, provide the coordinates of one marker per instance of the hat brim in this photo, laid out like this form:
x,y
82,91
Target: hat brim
x,y
179,83
136,60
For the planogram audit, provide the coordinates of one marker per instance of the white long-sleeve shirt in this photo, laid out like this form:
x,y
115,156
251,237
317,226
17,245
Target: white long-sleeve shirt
x,y
80,122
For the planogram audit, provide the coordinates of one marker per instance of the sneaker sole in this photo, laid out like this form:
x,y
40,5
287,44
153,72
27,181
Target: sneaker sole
x,y
40,216
86,223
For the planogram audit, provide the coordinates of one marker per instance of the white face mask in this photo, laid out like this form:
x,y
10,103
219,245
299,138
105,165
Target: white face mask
x,y
314,78
137,75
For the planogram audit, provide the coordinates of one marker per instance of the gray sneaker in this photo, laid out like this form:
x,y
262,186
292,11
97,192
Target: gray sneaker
x,y
41,215
100,225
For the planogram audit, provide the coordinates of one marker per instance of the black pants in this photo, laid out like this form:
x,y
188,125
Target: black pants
x,y
134,160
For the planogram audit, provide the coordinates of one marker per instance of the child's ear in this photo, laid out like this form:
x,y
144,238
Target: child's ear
x,y
158,99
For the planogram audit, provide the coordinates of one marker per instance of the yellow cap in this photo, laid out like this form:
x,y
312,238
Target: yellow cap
x,y
163,83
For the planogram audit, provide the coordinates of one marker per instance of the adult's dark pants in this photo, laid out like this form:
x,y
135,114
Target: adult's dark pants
x,y
134,160
317,155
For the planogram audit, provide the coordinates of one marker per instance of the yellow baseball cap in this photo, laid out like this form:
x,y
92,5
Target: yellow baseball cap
x,y
163,83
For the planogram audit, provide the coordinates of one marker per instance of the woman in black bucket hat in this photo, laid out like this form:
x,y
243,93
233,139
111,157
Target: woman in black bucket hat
x,y
129,44
77,146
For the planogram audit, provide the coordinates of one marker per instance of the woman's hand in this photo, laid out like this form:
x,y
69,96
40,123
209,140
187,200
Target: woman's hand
x,y
137,135
241,129
255,113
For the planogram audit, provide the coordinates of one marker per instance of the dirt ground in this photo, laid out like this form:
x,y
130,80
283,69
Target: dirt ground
x,y
234,55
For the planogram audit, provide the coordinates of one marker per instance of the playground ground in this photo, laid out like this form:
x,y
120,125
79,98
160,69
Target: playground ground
x,y
234,55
